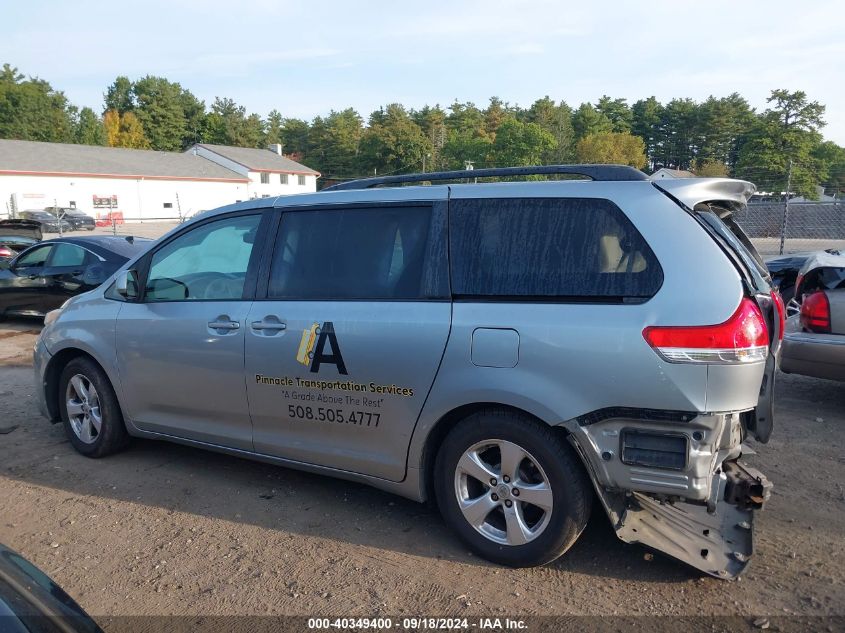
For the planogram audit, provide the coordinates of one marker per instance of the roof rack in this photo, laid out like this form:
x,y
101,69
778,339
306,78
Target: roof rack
x,y
594,172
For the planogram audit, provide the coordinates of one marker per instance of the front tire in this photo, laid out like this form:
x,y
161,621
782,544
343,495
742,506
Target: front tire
x,y
90,412
512,489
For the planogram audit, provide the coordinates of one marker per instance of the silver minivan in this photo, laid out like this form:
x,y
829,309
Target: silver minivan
x,y
512,350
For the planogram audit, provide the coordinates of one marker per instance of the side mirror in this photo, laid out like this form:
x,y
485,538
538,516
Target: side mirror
x,y
5,263
126,285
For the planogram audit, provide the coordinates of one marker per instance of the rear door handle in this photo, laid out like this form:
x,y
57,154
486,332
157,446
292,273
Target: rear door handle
x,y
268,325
224,325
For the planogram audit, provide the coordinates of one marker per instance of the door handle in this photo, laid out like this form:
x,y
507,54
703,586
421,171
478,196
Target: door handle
x,y
224,325
268,325
32,276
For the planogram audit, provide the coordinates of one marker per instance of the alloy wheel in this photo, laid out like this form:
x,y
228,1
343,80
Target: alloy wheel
x,y
83,408
503,492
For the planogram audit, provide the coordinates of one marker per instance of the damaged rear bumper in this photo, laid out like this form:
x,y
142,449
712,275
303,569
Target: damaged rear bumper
x,y
699,509
716,539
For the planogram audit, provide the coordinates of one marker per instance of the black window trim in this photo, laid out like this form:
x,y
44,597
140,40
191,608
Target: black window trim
x,y
555,299
434,205
142,266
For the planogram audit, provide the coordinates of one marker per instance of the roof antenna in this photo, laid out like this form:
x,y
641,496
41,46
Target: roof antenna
x,y
130,239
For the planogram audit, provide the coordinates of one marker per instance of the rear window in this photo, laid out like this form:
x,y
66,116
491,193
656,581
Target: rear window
x,y
721,223
563,249
827,278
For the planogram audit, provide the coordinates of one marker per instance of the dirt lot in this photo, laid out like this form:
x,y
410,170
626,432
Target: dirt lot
x,y
162,529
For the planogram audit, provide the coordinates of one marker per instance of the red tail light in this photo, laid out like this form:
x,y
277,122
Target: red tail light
x,y
781,312
815,312
6,252
741,339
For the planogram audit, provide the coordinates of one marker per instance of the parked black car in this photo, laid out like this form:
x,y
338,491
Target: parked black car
x,y
49,223
46,275
77,219
31,602
16,235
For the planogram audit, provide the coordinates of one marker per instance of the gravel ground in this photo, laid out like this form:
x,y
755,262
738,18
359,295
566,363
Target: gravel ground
x,y
163,529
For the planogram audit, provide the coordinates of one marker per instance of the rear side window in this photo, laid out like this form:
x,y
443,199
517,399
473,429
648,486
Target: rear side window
x,y
565,249
353,253
67,255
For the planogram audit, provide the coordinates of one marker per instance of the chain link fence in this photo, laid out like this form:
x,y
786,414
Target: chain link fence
x,y
775,227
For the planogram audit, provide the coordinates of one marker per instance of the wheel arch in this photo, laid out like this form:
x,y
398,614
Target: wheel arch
x,y
440,429
53,373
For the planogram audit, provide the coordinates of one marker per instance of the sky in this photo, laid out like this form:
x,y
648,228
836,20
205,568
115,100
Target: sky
x,y
307,58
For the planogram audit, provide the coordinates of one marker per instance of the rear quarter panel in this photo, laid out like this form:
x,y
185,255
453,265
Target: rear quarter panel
x,y
576,358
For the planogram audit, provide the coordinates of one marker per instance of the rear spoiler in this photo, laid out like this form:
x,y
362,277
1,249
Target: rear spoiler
x,y
725,192
23,228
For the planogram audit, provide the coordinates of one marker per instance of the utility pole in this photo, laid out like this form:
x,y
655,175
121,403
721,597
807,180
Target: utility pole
x,y
785,208
59,215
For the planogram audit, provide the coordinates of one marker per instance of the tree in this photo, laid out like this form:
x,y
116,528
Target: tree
x,y
119,96
832,157
335,143
617,112
587,120
646,117
229,124
172,117
274,125
613,148
557,120
678,139
124,130
393,142
88,129
495,113
432,122
709,168
158,106
294,136
467,139
722,125
785,138
520,144
31,110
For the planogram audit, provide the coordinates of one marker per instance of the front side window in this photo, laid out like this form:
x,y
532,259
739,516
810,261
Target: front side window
x,y
564,249
207,263
351,254
35,258
67,255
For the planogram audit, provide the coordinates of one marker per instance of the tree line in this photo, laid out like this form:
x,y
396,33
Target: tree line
x,y
720,136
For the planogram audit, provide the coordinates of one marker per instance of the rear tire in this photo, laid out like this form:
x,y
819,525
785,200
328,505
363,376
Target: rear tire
x,y
490,509
90,411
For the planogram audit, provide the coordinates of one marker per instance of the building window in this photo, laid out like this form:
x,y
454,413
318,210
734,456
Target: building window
x,y
265,178
72,204
301,179
168,205
283,178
